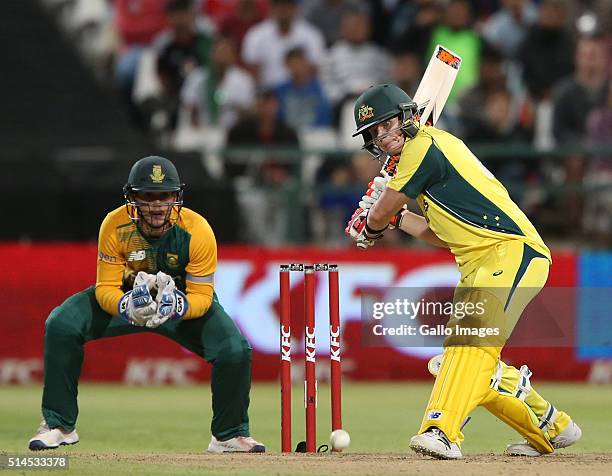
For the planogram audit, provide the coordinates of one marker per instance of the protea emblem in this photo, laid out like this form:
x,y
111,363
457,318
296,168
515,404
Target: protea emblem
x,y
157,176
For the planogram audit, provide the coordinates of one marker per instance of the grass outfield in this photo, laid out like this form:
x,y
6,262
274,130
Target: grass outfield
x,y
164,430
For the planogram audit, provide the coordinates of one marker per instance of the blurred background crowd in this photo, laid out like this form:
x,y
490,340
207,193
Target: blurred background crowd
x,y
258,95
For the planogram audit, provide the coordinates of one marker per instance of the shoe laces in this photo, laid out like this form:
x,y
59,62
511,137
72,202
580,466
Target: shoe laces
x,y
442,437
42,427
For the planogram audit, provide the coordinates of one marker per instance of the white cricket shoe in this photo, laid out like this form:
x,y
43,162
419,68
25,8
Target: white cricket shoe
x,y
47,439
435,443
566,438
239,444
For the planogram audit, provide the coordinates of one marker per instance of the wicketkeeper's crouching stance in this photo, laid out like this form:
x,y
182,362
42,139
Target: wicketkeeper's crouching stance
x,y
155,273
502,259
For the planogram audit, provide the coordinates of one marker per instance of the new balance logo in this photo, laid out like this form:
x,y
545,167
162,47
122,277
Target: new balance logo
x,y
434,415
137,255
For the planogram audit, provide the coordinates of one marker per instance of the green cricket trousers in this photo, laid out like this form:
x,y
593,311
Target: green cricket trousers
x,y
214,337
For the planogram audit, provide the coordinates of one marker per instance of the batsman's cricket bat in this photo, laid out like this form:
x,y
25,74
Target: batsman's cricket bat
x,y
436,84
432,93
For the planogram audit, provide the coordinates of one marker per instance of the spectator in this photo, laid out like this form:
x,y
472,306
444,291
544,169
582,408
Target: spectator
x,y
390,18
489,112
498,124
261,180
263,128
573,98
217,10
326,15
598,177
220,94
406,70
547,50
506,29
416,35
472,102
137,22
335,202
266,44
302,102
185,45
354,63
456,34
576,95
179,50
246,14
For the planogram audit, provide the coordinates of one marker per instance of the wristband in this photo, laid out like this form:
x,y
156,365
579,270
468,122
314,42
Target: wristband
x,y
371,232
122,307
396,221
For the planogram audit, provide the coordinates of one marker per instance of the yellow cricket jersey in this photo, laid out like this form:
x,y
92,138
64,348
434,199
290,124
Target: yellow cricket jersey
x,y
187,252
464,204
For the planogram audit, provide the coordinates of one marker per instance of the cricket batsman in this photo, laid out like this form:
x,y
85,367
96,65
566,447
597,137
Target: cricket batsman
x,y
502,260
155,273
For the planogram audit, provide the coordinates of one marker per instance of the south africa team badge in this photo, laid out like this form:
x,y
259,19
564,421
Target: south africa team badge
x,y
157,176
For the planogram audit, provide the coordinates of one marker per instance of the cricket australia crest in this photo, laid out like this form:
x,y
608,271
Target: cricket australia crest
x,y
365,113
157,176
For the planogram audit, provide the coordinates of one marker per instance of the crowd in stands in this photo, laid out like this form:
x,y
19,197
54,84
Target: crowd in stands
x,y
286,72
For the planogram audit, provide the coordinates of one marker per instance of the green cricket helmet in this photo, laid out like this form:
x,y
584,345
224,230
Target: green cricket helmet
x,y
153,174
378,104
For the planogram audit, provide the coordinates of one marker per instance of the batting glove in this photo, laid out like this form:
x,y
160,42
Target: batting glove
x,y
137,306
171,303
359,231
375,190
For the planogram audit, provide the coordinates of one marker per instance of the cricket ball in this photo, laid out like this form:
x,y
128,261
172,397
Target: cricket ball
x,y
339,440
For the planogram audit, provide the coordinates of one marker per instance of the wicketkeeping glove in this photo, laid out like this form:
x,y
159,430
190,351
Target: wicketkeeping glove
x,y
137,306
171,303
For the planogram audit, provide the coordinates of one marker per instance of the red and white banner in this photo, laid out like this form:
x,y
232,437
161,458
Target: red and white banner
x,y
38,277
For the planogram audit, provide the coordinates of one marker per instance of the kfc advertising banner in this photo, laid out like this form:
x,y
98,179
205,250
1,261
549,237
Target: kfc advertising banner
x,y
38,277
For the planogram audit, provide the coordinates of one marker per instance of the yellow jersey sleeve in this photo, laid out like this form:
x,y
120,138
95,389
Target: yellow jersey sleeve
x,y
110,267
421,165
200,271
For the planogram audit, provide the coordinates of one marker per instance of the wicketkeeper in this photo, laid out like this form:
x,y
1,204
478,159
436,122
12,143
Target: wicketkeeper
x,y
155,273
502,260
